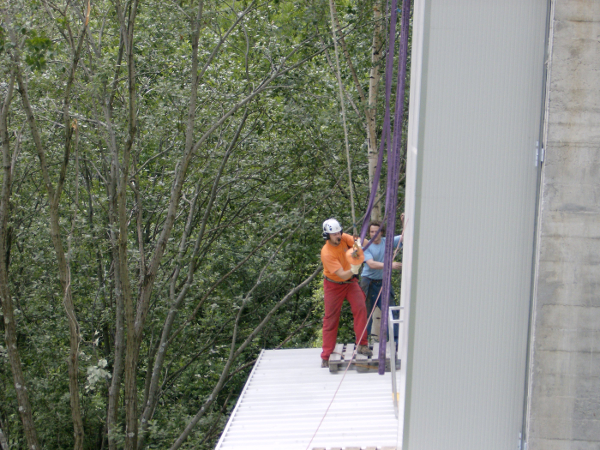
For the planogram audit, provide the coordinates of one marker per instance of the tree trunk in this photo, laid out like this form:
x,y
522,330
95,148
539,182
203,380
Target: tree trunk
x,y
54,195
3,441
370,108
373,149
112,182
10,328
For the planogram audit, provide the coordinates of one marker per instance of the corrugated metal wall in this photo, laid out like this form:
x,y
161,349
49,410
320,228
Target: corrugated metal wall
x,y
476,111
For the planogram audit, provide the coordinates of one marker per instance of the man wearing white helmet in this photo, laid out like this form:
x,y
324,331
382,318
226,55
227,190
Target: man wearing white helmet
x,y
341,283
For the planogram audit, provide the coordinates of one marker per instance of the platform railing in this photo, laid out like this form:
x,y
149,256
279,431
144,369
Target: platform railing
x,y
393,348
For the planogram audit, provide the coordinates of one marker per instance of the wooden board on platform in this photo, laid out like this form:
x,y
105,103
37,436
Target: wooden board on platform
x,y
342,357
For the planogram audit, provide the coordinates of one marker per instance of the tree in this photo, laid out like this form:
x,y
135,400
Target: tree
x,y
369,100
10,330
170,165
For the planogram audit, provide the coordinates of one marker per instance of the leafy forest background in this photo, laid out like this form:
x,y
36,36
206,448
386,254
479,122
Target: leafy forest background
x,y
167,166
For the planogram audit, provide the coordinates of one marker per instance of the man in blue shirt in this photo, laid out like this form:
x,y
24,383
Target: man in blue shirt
x,y
372,273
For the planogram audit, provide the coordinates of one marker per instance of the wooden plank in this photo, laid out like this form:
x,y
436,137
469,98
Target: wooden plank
x,y
337,353
335,359
348,352
375,357
362,358
342,358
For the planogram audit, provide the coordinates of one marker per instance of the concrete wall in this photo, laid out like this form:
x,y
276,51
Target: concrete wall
x,y
564,411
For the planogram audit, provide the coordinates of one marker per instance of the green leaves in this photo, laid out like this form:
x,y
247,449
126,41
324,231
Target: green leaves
x,y
97,373
260,239
38,48
3,38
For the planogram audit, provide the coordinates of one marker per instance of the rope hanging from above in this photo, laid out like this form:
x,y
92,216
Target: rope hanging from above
x,y
393,174
394,153
393,150
386,131
385,134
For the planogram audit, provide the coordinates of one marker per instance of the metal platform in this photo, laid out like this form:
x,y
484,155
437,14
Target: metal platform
x,y
290,403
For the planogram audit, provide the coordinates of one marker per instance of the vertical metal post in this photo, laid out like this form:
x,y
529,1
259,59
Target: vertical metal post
x,y
392,346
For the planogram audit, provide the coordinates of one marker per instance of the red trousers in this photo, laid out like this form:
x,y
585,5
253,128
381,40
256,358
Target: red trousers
x,y
334,295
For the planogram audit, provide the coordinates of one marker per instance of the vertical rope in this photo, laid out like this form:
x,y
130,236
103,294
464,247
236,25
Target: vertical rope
x,y
385,134
393,178
393,171
339,78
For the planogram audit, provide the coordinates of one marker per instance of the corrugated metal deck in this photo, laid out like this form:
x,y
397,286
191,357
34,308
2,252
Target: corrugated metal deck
x,y
287,395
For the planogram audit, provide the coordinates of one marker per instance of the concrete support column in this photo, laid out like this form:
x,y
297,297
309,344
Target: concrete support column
x,y
564,411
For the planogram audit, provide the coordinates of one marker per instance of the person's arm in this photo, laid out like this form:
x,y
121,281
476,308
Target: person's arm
x,y
333,266
376,265
348,239
398,240
344,274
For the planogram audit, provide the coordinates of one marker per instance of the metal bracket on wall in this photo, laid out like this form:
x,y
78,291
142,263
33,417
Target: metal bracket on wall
x,y
540,153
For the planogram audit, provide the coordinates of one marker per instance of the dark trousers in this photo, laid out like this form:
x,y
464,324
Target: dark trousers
x,y
371,288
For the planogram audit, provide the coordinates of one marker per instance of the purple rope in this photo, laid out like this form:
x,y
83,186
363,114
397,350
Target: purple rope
x,y
385,135
393,177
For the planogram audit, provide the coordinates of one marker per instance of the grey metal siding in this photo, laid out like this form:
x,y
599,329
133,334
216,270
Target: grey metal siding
x,y
474,195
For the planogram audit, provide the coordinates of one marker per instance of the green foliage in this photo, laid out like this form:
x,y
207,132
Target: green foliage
x,y
38,48
285,174
2,38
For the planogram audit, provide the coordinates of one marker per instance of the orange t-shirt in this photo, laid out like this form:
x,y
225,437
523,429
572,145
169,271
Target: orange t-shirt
x,y
334,257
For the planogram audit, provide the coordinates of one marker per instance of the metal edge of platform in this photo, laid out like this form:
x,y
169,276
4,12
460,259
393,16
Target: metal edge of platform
x,y
237,404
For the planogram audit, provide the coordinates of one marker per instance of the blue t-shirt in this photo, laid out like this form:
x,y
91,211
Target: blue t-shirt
x,y
376,252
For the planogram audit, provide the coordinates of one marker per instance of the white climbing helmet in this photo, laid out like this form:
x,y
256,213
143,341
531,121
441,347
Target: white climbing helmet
x,y
331,226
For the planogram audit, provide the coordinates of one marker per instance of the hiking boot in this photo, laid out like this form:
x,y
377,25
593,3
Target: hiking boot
x,y
324,363
373,339
364,350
